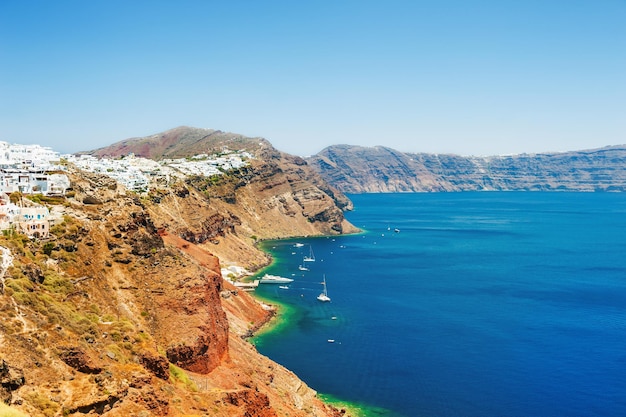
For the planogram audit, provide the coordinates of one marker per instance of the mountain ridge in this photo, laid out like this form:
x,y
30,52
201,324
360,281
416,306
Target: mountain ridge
x,y
179,142
357,169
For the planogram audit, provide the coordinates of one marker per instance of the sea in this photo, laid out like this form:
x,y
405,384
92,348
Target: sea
x,y
460,304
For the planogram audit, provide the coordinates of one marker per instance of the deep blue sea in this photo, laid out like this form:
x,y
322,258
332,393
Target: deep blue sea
x,y
483,304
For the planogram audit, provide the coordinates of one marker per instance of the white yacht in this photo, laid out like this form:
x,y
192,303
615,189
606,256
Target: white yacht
x,y
274,279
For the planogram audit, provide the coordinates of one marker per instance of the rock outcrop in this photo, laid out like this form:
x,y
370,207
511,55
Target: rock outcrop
x,y
118,315
354,169
10,380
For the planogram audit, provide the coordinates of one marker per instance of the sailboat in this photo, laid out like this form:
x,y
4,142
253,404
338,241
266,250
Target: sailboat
x,y
324,295
302,267
311,257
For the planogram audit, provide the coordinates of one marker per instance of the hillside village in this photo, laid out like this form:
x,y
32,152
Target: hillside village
x,y
136,173
27,170
33,169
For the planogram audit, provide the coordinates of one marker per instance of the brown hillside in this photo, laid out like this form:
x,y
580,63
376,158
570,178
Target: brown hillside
x,y
116,315
277,195
179,142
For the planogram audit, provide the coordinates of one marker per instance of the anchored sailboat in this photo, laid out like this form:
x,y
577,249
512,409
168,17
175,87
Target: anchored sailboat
x,y
311,257
324,295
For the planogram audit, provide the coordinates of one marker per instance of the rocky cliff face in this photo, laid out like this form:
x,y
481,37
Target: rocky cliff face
x,y
354,169
117,315
277,195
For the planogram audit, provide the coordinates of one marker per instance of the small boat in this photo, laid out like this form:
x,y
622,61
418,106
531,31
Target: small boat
x,y
274,279
331,340
324,295
311,257
298,245
283,287
396,230
302,268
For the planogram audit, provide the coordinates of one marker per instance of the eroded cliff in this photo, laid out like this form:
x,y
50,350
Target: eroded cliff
x,y
118,315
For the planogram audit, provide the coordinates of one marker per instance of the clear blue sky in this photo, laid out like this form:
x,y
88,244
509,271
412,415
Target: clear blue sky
x,y
468,77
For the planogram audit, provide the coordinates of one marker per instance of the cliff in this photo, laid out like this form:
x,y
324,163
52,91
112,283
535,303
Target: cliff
x,y
124,312
355,169
277,195
118,315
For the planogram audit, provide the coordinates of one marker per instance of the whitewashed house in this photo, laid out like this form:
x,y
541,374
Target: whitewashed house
x,y
12,180
8,212
34,222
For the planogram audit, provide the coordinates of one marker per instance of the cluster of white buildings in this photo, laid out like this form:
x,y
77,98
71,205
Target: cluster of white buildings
x,y
28,157
136,173
33,169
133,173
25,169
208,165
32,221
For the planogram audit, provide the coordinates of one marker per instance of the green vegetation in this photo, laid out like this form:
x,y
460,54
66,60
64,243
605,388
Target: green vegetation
x,y
45,199
47,248
56,298
179,374
47,407
353,408
8,411
15,197
68,228
221,186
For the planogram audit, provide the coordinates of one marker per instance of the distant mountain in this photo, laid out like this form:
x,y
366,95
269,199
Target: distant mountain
x,y
356,169
179,142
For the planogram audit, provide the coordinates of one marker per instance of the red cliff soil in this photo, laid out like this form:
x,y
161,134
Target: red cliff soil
x,y
112,318
247,380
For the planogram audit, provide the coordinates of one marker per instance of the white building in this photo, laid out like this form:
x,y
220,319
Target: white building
x,y
34,222
136,173
13,180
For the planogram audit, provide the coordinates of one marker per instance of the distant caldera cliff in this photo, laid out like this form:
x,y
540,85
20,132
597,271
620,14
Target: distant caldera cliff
x,y
357,169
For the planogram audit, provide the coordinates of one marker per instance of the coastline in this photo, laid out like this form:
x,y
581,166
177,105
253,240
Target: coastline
x,y
281,319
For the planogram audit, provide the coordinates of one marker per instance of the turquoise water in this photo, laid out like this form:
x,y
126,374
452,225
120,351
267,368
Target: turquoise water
x,y
484,304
